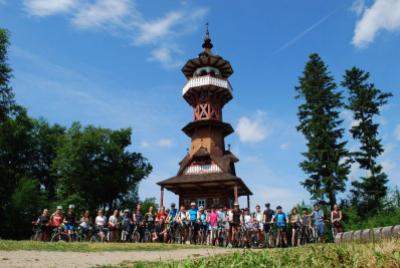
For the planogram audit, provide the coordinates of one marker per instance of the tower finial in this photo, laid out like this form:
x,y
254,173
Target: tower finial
x,y
207,45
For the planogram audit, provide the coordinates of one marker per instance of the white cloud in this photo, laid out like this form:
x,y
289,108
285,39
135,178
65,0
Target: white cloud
x,y
388,165
152,31
102,13
284,146
43,8
252,130
122,18
166,143
144,144
397,132
382,15
163,143
358,7
164,56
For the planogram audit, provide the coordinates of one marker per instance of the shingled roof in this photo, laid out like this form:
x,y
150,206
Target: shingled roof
x,y
200,180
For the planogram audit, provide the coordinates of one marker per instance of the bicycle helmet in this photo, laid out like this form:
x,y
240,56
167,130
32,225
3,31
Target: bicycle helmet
x,y
59,207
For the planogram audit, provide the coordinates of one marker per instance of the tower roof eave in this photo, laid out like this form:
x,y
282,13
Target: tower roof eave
x,y
183,181
226,128
205,59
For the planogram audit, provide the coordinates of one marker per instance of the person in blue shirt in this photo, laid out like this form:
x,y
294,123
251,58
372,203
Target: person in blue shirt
x,y
281,220
319,222
193,217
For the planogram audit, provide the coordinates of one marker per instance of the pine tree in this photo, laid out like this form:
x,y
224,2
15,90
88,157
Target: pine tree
x,y
365,101
326,160
7,101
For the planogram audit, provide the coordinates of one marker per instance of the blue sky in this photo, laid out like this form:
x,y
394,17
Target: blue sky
x,y
116,63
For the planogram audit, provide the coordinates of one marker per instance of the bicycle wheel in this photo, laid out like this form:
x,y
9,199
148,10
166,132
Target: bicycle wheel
x,y
135,236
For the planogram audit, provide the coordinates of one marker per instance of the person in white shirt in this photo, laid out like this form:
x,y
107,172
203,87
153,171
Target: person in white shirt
x,y
100,222
113,224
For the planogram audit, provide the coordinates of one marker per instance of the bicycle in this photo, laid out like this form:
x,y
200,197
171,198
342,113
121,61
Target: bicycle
x,y
281,240
96,237
59,234
221,235
192,234
135,236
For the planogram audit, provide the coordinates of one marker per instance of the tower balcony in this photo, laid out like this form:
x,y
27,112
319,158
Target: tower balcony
x,y
207,80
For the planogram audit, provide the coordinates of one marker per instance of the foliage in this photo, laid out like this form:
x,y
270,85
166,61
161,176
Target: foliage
x,y
326,160
93,165
388,215
366,101
42,165
384,255
147,203
7,102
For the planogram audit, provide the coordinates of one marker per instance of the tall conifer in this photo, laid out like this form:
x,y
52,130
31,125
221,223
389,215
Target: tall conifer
x,y
326,159
365,102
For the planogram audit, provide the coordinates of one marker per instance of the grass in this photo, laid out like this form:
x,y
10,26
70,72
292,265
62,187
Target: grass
x,y
12,245
382,255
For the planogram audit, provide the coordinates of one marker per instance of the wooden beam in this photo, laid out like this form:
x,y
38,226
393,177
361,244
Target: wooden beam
x,y
161,197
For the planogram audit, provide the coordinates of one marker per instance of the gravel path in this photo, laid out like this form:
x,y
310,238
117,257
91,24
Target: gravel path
x,y
41,259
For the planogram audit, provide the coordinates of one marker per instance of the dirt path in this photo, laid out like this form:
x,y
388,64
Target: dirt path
x,y
41,259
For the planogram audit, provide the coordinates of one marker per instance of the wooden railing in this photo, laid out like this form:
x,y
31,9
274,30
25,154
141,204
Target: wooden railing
x,y
206,80
374,234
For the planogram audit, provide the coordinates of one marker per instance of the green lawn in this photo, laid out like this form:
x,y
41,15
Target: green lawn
x,y
382,255
86,247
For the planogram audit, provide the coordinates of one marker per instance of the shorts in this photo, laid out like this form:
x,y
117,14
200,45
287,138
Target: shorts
x,y
69,227
267,227
320,228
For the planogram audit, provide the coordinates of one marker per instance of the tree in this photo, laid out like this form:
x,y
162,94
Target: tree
x,y
94,168
47,139
326,160
365,102
7,101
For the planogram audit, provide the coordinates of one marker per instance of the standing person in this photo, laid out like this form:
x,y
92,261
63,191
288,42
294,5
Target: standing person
x,y
280,219
149,220
247,221
85,224
319,224
56,218
295,222
267,219
181,219
306,226
69,221
161,219
212,220
203,227
43,223
192,217
100,223
113,225
258,216
336,220
126,225
137,219
234,223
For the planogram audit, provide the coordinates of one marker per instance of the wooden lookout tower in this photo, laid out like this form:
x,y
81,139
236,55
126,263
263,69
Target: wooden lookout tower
x,y
207,173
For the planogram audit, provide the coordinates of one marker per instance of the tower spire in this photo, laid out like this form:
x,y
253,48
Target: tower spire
x,y
207,45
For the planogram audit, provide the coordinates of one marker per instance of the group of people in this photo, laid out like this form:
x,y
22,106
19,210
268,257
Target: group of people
x,y
214,226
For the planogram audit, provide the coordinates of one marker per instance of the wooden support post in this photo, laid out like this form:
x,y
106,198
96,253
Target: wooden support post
x,y
248,202
162,197
235,192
